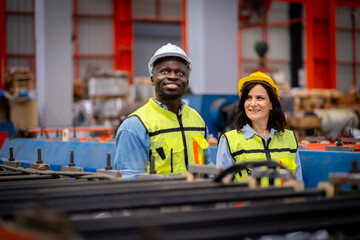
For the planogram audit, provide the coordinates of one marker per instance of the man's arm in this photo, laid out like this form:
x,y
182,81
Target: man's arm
x,y
132,148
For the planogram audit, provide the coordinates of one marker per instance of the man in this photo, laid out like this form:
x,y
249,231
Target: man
x,y
165,128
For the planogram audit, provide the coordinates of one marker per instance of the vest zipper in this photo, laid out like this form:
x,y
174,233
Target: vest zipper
x,y
268,158
266,148
184,141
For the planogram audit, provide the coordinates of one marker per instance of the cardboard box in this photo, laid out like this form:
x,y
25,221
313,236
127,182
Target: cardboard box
x,y
24,114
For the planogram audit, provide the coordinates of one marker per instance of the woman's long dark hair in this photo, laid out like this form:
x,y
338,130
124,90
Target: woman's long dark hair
x,y
276,118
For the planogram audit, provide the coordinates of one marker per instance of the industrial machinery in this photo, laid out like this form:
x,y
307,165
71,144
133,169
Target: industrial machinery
x,y
66,190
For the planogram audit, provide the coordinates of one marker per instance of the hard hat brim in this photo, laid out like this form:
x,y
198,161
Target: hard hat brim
x,y
258,77
166,51
154,59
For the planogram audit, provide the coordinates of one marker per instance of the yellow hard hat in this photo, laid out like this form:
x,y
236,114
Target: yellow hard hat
x,y
257,77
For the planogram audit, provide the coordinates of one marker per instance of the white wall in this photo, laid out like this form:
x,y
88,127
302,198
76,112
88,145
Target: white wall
x,y
212,46
54,66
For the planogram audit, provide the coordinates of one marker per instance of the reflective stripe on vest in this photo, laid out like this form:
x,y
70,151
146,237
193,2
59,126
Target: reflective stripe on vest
x,y
175,141
281,149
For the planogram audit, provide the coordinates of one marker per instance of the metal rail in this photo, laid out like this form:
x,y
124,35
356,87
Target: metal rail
x,y
338,214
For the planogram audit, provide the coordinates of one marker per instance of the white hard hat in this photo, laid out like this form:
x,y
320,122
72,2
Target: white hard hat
x,y
169,50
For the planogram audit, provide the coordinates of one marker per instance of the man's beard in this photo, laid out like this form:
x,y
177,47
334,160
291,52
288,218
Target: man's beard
x,y
166,96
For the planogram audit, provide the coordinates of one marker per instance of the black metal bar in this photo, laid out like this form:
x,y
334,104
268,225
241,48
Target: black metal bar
x,y
109,189
156,199
36,184
24,177
163,199
9,173
332,214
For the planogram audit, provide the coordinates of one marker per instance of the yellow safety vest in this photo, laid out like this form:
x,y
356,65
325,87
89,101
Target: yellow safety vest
x,y
281,149
175,141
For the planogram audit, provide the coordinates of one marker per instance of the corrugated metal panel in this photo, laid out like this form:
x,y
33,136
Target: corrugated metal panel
x,y
95,6
148,38
19,62
344,77
143,8
343,17
279,12
344,46
19,5
171,8
95,36
20,34
279,43
249,38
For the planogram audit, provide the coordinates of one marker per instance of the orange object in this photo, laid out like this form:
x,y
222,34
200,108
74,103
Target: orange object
x,y
322,146
196,152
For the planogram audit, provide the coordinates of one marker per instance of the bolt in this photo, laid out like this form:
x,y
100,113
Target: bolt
x,y
71,164
39,156
11,155
108,162
338,142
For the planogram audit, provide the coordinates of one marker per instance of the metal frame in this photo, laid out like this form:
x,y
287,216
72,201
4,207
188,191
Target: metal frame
x,y
252,221
123,34
77,56
3,49
320,26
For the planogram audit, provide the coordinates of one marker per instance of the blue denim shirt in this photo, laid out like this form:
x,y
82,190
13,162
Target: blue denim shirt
x,y
225,160
133,144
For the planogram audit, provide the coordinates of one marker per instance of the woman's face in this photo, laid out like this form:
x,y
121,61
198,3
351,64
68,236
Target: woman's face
x,y
257,105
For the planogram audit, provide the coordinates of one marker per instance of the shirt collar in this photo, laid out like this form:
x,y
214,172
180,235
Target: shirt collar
x,y
182,104
249,132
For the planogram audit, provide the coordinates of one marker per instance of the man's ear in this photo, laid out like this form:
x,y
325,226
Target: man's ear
x,y
152,80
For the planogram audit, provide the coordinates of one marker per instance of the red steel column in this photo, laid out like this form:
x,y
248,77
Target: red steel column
x,y
320,44
123,36
2,43
183,26
332,39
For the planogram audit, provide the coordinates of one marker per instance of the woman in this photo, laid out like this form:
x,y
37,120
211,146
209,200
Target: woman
x,y
259,132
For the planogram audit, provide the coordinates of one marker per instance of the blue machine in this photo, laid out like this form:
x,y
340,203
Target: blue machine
x,y
89,155
316,165
209,107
